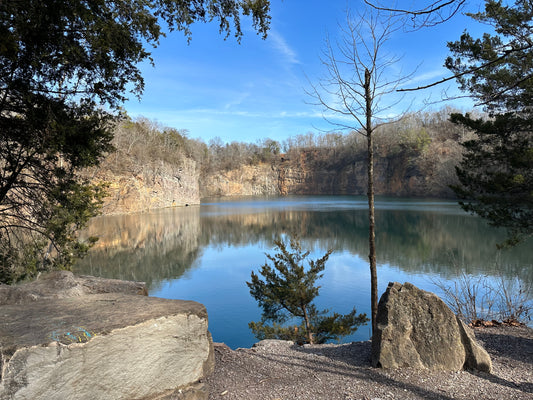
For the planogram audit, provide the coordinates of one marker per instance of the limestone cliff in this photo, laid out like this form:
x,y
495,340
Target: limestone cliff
x,y
150,188
394,176
248,180
164,185
155,167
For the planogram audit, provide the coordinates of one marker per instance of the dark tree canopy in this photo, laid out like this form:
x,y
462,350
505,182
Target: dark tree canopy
x,y
496,173
91,49
497,70
65,68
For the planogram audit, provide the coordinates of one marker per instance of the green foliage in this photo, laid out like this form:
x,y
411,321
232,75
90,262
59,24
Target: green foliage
x,y
497,69
415,141
496,172
295,333
288,291
65,68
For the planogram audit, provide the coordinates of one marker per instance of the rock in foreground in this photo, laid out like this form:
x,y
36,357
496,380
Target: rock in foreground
x,y
62,284
101,346
416,329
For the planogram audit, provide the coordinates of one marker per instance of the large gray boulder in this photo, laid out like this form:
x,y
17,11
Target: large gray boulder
x,y
416,329
100,345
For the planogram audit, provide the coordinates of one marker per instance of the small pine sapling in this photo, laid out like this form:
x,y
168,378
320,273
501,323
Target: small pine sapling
x,y
287,292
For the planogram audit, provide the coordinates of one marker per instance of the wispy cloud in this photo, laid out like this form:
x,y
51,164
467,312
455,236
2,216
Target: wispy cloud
x,y
432,75
280,44
187,113
237,101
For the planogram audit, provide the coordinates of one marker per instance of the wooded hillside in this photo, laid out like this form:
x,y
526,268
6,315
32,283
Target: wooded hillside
x,y
155,166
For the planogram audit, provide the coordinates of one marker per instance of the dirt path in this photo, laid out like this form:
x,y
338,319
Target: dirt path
x,y
282,371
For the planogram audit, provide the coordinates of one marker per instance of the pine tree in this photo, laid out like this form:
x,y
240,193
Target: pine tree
x,y
496,173
287,292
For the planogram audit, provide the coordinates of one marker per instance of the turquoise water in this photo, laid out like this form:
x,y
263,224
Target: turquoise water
x,y
206,253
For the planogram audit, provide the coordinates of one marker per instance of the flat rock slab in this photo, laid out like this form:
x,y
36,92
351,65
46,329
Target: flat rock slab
x,y
61,284
102,346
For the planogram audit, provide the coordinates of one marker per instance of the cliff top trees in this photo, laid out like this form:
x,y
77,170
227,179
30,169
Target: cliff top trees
x,y
61,63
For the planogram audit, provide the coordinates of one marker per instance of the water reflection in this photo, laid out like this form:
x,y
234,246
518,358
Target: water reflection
x,y
148,247
419,237
205,253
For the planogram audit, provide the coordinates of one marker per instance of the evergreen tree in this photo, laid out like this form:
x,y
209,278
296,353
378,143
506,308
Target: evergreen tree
x,y
496,173
288,291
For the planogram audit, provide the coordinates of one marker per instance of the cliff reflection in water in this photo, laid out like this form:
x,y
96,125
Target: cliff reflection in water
x,y
422,238
147,247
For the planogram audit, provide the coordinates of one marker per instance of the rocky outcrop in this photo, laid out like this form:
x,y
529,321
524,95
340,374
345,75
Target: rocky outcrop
x,y
150,189
85,344
416,329
256,180
394,176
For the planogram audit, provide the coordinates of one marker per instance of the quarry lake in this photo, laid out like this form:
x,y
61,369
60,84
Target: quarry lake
x,y
206,253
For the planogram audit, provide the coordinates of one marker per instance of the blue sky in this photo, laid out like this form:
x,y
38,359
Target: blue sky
x,y
256,89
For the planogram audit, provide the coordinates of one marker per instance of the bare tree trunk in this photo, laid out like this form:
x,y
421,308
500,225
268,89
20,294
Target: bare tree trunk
x,y
370,194
308,325
362,94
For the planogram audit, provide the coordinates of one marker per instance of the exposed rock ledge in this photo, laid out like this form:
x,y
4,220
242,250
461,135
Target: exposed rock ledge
x,y
64,337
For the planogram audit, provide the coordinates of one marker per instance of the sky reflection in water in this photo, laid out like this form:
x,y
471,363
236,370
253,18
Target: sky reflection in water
x,y
206,253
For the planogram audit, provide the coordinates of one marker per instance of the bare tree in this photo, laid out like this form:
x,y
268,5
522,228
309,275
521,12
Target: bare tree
x,y
359,93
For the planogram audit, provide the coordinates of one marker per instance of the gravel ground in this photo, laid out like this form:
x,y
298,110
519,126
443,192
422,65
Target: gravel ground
x,y
275,370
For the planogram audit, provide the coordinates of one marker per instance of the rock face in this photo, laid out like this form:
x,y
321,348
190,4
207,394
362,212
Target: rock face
x,y
394,176
257,180
97,345
167,186
416,329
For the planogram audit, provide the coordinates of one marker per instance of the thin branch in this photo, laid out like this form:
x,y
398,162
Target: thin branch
x,y
469,70
434,14
432,8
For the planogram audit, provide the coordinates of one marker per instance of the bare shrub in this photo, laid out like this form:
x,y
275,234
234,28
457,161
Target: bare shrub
x,y
473,298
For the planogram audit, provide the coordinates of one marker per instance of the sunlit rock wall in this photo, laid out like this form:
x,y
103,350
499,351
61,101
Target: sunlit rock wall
x,y
152,188
257,180
393,176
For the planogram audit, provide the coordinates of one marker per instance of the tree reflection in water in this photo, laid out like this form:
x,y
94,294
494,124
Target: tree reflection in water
x,y
222,241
